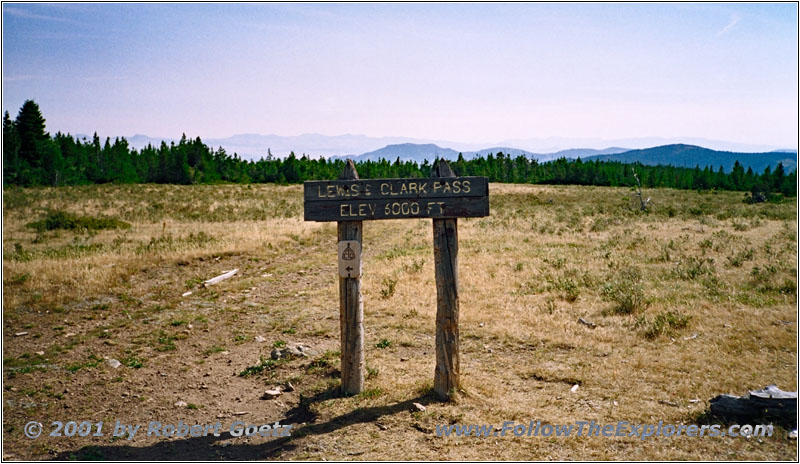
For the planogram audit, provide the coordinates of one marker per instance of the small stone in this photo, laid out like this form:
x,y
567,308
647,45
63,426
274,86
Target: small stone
x,y
20,334
403,359
181,404
260,339
418,407
695,400
293,350
480,325
297,349
40,353
241,413
114,363
187,293
270,394
793,434
574,388
616,404
70,334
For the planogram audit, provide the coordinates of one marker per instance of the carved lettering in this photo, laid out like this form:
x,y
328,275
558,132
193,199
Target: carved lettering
x,y
367,199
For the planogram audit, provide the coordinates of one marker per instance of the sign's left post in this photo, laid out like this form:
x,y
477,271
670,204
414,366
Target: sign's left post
x,y
351,307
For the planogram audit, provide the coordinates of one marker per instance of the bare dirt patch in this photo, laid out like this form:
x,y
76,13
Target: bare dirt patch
x,y
546,257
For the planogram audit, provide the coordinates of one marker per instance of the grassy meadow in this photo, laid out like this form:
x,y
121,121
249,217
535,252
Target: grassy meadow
x,y
695,298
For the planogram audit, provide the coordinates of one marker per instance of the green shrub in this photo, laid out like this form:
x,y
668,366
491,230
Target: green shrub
x,y
689,268
67,221
737,259
626,290
665,323
263,364
389,285
569,288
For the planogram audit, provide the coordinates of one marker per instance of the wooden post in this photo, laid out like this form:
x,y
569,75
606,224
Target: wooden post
x,y
351,309
444,197
445,254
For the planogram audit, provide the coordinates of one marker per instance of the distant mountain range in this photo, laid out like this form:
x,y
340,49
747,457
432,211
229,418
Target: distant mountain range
x,y
680,155
687,152
429,151
255,146
690,156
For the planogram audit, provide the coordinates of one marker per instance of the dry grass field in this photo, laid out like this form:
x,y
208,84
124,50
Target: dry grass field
x,y
695,298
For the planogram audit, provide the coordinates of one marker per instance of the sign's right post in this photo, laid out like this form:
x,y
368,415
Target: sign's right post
x,y
445,253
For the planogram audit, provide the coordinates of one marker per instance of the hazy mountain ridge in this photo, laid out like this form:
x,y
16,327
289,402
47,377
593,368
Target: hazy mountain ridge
x,y
255,146
681,155
689,156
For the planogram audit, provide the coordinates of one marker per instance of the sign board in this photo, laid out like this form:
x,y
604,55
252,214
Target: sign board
x,y
349,259
367,199
350,201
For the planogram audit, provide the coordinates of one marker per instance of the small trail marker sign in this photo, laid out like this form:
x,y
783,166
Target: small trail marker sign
x,y
349,259
444,197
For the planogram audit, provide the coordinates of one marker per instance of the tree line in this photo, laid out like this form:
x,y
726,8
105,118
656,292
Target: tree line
x,y
31,157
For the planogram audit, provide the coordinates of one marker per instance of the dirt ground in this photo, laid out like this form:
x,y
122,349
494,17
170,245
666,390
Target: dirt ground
x,y
718,314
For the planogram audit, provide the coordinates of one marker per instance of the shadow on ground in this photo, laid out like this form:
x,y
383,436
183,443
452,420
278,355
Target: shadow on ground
x,y
203,448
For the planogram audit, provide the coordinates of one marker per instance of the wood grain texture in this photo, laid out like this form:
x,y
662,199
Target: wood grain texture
x,y
365,210
446,381
351,310
371,199
768,404
366,189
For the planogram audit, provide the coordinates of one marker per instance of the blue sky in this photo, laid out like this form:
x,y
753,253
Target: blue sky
x,y
466,72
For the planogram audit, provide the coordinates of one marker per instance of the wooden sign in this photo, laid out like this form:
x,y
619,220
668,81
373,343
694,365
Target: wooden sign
x,y
349,259
349,201
368,199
